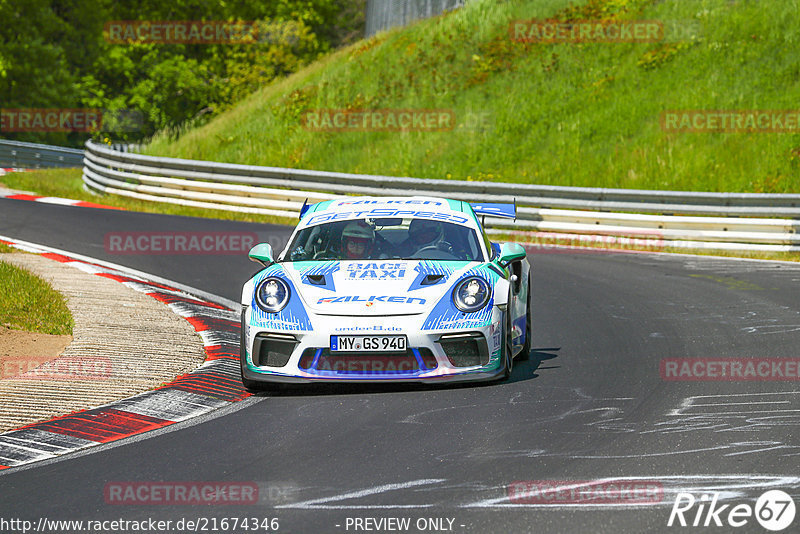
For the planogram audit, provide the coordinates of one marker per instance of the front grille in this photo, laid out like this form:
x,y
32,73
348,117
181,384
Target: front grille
x,y
273,350
322,359
465,350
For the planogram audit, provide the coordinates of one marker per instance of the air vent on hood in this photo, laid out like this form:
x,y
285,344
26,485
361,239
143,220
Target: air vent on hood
x,y
431,279
316,279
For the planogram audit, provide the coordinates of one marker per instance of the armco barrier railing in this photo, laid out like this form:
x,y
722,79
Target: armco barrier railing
x,y
729,220
385,14
34,156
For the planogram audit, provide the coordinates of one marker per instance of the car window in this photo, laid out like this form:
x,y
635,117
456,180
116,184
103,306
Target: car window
x,y
396,238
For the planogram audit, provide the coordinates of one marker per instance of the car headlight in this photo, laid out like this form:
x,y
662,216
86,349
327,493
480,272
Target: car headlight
x,y
471,294
272,294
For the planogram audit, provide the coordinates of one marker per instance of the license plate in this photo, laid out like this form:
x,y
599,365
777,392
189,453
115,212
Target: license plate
x,y
368,343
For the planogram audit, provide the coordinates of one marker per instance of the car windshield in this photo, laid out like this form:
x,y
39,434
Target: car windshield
x,y
396,238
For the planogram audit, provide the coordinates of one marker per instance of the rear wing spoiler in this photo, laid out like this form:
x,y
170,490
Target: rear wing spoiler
x,y
305,208
506,211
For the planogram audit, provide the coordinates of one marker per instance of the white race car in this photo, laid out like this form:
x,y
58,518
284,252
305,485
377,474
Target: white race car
x,y
387,289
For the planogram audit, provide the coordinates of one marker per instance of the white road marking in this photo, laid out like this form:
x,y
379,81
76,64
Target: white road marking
x,y
375,490
672,485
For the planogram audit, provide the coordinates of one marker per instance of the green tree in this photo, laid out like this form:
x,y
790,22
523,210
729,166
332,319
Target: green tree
x,y
53,55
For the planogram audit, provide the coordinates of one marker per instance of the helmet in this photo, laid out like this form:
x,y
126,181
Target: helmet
x,y
357,239
425,233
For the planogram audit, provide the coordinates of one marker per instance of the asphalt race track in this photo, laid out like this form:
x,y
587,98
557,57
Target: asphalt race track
x,y
589,404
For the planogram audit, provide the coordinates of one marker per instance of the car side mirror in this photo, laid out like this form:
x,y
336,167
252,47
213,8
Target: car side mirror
x,y
262,253
511,252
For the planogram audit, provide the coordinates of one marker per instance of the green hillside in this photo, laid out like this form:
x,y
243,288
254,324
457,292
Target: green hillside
x,y
585,114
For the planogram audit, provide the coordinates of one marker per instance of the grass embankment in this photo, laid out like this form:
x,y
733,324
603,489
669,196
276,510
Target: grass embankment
x,y
29,303
561,114
564,114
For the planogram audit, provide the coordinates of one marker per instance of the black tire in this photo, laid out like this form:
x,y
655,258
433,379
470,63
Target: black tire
x,y
256,387
249,385
508,358
526,348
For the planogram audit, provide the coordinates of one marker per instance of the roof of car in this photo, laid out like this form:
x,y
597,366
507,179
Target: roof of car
x,y
430,203
411,206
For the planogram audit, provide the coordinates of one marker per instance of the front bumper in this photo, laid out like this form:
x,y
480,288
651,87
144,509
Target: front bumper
x,y
452,354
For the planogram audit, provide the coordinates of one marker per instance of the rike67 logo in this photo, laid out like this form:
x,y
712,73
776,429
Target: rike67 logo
x,y
774,510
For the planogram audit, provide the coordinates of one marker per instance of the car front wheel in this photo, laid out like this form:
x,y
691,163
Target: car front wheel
x,y
508,358
249,385
526,348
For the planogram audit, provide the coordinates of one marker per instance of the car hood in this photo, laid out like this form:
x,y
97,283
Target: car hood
x,y
374,287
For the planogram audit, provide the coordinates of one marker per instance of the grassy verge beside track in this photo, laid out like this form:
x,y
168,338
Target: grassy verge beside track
x,y
29,303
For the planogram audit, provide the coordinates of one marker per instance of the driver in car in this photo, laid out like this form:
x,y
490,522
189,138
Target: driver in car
x,y
423,234
358,241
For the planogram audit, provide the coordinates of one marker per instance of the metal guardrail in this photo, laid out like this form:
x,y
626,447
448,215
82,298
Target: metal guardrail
x,y
35,156
567,210
385,14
